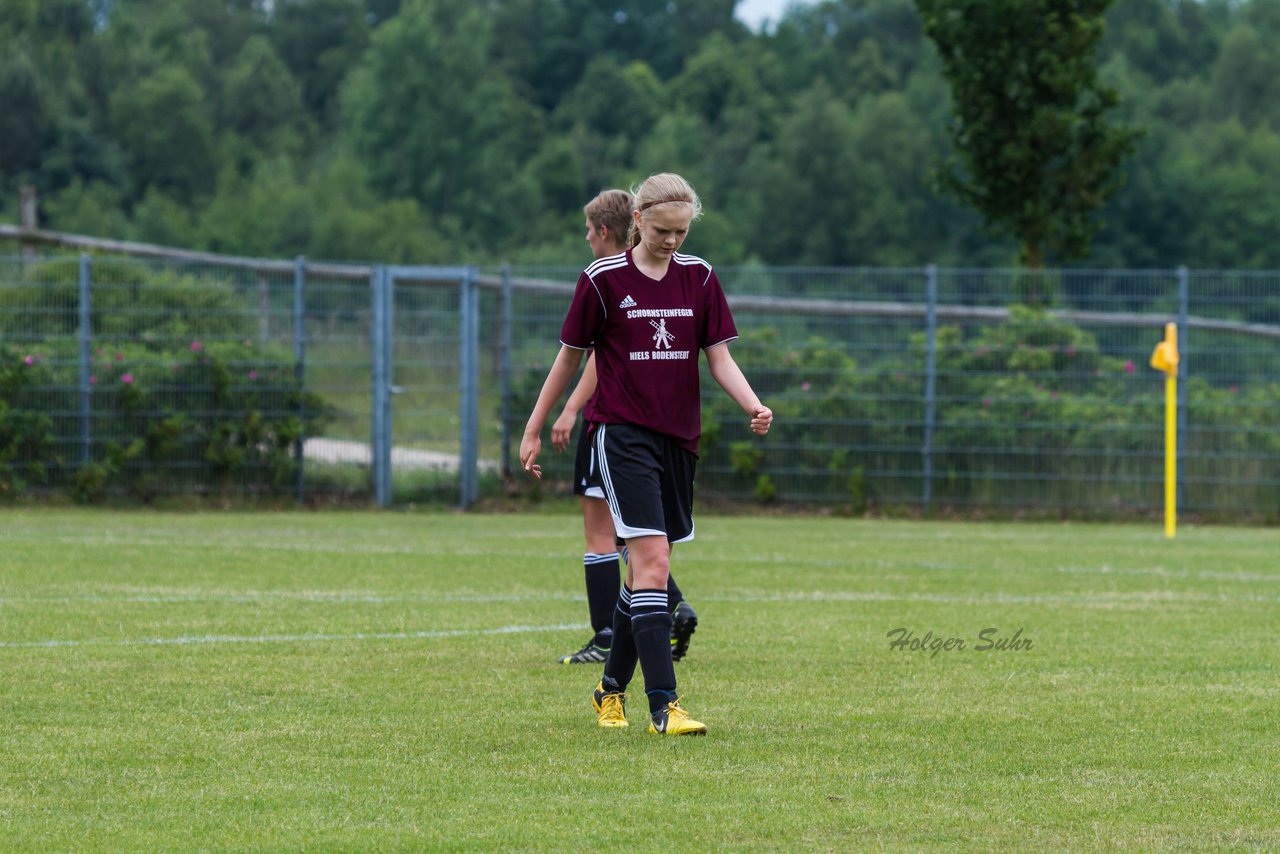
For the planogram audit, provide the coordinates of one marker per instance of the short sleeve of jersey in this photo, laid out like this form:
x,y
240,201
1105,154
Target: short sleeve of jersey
x,y
717,320
586,315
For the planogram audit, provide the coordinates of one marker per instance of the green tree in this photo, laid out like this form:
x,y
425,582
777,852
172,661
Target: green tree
x,y
95,208
844,187
807,184
475,130
1246,78
1150,36
723,76
1233,214
1150,217
75,150
352,222
23,121
320,41
158,218
858,46
260,99
547,45
433,121
607,113
1034,151
166,133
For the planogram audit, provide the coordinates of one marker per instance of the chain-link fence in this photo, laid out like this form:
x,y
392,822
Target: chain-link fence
x,y
893,389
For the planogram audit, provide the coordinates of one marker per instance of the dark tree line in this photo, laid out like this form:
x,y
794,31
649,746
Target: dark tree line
x,y
460,130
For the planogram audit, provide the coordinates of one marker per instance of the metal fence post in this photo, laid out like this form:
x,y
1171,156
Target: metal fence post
x,y
264,307
389,369
299,368
930,380
380,438
469,414
86,333
504,317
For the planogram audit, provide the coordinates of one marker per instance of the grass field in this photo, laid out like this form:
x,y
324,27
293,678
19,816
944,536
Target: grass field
x,y
386,682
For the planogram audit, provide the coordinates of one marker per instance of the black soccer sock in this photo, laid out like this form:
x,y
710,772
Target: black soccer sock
x,y
603,586
620,666
651,628
674,596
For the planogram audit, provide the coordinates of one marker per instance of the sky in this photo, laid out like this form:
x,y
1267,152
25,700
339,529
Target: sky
x,y
754,12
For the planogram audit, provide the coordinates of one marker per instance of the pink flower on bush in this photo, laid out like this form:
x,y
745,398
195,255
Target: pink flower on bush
x,y
119,357
1128,366
253,375
29,361
805,386
196,346
127,379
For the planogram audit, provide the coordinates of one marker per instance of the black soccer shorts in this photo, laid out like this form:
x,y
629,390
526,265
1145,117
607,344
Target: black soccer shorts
x,y
648,482
586,474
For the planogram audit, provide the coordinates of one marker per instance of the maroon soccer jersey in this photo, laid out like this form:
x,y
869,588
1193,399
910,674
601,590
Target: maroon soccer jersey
x,y
647,334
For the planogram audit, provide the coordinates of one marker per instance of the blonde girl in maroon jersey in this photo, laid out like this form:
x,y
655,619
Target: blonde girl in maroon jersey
x,y
647,313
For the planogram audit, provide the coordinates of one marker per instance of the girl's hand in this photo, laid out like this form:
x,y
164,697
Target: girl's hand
x,y
529,448
760,420
562,430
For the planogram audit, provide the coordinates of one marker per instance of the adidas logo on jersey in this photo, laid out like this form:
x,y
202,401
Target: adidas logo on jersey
x,y
627,303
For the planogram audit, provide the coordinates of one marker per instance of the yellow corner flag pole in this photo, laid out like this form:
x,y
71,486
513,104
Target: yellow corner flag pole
x,y
1165,358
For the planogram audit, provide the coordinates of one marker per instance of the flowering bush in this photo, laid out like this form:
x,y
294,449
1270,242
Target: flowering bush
x,y
28,445
217,416
180,395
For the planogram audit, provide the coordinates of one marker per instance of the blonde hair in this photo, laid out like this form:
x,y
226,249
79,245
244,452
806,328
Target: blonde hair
x,y
662,189
611,209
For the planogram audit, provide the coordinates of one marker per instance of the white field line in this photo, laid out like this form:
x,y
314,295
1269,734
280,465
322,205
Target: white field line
x,y
1131,597
265,596
203,640
131,541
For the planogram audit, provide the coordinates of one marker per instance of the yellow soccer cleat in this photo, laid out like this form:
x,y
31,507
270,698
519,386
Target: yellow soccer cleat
x,y
610,707
674,720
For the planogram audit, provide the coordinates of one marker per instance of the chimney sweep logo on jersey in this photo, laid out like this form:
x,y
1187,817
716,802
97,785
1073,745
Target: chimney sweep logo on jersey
x,y
662,336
